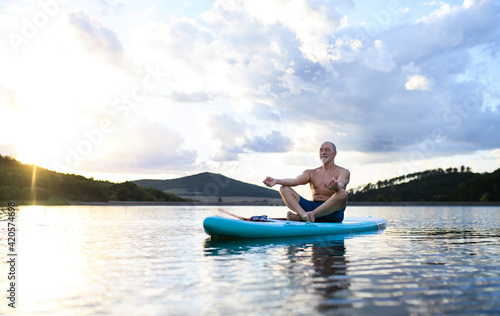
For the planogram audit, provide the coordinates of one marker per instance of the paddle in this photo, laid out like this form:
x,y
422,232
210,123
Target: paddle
x,y
250,219
234,215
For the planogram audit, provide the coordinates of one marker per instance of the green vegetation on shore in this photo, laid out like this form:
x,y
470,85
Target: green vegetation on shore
x,y
23,183
438,185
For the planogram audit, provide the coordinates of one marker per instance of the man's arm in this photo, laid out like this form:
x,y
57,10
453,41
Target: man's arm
x,y
304,178
344,178
341,182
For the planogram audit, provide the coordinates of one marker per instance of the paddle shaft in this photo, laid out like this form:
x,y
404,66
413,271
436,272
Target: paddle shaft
x,y
244,218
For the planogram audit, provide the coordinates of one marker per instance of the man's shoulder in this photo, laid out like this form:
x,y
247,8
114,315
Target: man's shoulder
x,y
342,169
314,170
311,173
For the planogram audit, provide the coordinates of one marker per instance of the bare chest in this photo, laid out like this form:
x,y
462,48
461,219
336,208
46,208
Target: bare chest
x,y
320,178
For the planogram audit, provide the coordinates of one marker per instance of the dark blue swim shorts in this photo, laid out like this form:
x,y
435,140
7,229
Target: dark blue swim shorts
x,y
309,206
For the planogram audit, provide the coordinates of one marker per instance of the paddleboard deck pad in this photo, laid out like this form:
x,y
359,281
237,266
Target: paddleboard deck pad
x,y
219,226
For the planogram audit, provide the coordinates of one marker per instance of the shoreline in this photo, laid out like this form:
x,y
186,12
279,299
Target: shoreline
x,y
253,203
423,204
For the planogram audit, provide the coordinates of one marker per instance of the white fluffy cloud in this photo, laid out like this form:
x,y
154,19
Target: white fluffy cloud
x,y
418,82
96,37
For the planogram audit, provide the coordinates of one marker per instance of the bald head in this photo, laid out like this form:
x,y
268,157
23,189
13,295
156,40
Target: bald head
x,y
332,145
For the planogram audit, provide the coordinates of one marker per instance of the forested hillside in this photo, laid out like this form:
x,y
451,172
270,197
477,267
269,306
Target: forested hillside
x,y
438,185
20,182
25,183
209,184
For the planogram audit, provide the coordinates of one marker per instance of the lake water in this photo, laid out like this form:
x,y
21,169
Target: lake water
x,y
157,260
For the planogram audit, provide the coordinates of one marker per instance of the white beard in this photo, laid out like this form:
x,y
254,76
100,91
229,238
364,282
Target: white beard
x,y
324,159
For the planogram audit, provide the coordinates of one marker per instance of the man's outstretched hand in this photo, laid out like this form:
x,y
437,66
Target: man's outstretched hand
x,y
333,185
269,181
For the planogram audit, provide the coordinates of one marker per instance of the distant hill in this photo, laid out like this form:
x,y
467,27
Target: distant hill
x,y
22,183
438,185
209,184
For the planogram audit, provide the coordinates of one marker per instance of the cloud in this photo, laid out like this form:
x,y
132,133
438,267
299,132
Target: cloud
x,y
103,42
227,134
117,8
460,28
372,106
95,37
225,127
142,147
194,97
275,142
444,9
418,82
311,25
236,137
378,57
268,113
303,63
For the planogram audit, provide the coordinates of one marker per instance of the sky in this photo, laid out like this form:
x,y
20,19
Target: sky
x,y
126,90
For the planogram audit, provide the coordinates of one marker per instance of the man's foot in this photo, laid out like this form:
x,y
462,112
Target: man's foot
x,y
291,216
310,217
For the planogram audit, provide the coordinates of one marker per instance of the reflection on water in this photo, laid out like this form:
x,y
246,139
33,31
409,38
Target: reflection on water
x,y
316,266
330,278
157,260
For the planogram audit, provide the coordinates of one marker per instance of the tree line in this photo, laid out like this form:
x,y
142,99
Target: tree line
x,y
436,185
20,182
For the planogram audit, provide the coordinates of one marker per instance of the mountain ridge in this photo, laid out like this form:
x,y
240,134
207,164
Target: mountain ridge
x,y
208,184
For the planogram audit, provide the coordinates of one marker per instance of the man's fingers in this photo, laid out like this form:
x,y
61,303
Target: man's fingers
x,y
310,217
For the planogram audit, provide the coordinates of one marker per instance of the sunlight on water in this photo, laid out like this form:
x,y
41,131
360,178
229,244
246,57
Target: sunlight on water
x,y
157,260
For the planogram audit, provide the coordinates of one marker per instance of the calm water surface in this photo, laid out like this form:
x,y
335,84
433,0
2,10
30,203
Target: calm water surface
x,y
157,260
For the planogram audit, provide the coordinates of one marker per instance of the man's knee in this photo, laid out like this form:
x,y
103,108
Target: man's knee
x,y
285,189
289,192
340,195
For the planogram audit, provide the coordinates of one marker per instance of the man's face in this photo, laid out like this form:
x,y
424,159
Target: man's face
x,y
326,153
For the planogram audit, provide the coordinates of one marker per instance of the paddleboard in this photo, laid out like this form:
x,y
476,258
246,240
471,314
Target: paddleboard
x,y
219,226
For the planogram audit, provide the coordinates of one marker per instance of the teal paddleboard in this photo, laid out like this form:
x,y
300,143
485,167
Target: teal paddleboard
x,y
226,227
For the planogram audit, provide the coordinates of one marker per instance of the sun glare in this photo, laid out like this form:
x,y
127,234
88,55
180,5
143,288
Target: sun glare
x,y
32,156
31,145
